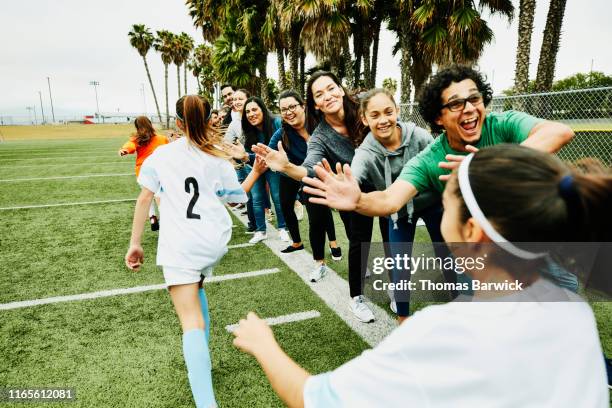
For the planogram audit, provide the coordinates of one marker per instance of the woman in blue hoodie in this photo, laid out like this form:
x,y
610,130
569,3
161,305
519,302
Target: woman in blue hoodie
x,y
378,162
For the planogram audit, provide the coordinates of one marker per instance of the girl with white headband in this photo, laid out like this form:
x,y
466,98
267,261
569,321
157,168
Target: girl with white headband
x,y
493,352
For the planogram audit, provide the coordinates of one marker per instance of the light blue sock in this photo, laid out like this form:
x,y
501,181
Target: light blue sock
x,y
199,367
204,306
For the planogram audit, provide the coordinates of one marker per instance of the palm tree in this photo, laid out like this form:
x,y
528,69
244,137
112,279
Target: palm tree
x,y
274,40
206,15
291,23
202,68
142,39
186,47
177,58
163,45
525,29
550,45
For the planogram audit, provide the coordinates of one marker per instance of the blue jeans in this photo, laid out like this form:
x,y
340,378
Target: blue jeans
x,y
242,174
401,239
259,199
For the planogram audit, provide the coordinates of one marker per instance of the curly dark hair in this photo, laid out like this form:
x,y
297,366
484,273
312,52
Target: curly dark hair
x,y
430,98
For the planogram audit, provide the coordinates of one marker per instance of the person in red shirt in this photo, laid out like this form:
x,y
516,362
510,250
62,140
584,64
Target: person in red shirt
x,y
143,143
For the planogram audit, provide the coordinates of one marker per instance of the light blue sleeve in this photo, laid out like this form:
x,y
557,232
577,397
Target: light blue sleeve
x,y
148,177
230,190
318,392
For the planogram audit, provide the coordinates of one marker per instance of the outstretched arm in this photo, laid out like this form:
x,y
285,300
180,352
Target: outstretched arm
x,y
259,168
254,336
277,160
134,257
341,191
549,136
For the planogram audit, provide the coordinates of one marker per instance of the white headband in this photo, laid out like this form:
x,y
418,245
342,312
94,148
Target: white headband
x,y
474,209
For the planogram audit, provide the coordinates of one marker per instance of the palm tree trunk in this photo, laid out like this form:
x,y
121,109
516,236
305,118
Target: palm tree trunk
x,y
178,79
365,44
263,77
420,72
280,60
152,89
550,45
525,29
375,53
348,64
302,71
294,56
406,64
357,48
185,77
167,108
199,86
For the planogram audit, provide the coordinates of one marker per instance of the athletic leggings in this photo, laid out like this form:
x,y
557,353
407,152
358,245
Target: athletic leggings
x,y
320,222
288,192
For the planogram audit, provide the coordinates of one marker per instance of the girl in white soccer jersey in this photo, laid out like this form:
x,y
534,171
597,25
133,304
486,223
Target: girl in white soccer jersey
x,y
538,347
195,179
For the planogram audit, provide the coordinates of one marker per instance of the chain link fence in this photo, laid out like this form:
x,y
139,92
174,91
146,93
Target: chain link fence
x,y
587,111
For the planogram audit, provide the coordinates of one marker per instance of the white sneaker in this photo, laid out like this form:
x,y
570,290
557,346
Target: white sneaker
x,y
361,311
298,208
258,237
284,235
318,273
393,306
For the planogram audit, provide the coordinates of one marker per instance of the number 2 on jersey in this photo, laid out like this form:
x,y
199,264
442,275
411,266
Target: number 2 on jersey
x,y
189,181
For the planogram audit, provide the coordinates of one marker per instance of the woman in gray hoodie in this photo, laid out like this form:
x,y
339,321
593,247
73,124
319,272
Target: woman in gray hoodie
x,y
379,160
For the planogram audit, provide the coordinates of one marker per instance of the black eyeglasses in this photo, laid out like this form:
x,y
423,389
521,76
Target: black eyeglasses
x,y
459,104
290,108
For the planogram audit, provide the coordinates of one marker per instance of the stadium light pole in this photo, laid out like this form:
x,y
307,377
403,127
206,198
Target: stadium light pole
x,y
95,85
51,98
30,109
42,111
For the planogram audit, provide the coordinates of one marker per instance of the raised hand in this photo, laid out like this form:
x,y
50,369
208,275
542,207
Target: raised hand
x,y
122,152
339,190
453,161
260,165
236,150
276,160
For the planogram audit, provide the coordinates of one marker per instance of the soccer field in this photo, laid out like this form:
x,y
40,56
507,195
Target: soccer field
x,y
65,220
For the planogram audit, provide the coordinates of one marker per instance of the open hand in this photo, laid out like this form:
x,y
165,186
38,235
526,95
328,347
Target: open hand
x,y
336,190
236,150
122,152
260,165
453,161
276,160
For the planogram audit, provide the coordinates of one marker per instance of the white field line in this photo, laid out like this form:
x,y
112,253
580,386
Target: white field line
x,y
66,177
125,291
66,164
61,157
239,245
333,290
289,318
122,200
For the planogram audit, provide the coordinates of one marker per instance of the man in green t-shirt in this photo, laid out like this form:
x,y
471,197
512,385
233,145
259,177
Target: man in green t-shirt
x,y
454,102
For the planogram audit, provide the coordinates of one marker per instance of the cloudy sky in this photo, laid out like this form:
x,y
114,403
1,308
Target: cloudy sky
x,y
75,42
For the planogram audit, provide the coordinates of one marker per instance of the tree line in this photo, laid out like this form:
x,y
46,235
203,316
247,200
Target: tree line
x,y
344,37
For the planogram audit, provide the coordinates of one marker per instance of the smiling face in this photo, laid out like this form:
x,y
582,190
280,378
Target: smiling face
x,y
254,114
292,112
381,117
465,125
327,95
238,100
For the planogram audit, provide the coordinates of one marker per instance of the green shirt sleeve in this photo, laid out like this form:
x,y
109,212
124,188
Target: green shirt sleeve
x,y
418,170
514,126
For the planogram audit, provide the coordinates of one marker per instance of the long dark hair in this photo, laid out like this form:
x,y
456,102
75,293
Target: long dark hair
x,y
290,93
250,131
352,121
144,130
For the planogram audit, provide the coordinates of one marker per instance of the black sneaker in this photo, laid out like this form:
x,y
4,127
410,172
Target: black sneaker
x,y
336,253
251,229
291,248
154,223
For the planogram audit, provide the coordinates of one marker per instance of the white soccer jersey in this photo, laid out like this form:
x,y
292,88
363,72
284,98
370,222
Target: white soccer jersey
x,y
195,226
